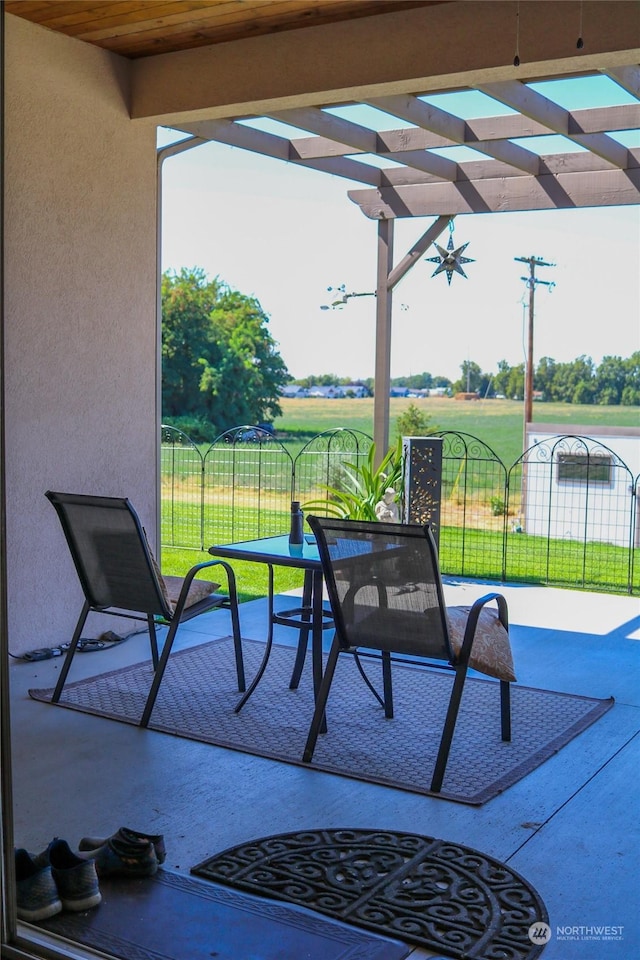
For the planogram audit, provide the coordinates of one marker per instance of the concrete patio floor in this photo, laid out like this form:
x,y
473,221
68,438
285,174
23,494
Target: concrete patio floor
x,y
570,827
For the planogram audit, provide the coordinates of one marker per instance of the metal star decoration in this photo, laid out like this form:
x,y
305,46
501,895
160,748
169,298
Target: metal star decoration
x,y
450,260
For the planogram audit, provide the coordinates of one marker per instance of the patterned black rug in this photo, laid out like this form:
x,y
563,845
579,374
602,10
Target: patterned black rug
x,y
198,693
431,893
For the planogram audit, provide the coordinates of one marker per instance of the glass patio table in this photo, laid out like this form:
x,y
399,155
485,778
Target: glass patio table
x,y
309,617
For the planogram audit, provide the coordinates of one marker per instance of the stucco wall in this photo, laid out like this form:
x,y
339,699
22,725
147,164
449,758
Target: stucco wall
x,y
80,310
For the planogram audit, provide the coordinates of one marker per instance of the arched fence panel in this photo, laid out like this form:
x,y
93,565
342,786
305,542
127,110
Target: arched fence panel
x,y
473,507
181,489
247,486
575,500
564,513
321,464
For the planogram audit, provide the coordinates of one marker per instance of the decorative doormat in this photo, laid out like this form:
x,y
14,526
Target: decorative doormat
x,y
431,893
198,693
173,917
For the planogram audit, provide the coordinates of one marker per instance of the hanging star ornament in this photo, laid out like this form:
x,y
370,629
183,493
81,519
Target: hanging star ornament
x,y
450,260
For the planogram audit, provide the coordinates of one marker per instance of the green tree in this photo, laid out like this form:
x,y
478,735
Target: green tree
x,y
219,362
515,383
414,423
543,377
574,382
471,379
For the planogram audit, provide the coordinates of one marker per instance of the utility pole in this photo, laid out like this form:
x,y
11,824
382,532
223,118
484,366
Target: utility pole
x,y
531,282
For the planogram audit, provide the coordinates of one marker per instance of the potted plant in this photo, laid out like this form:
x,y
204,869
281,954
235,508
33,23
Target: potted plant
x,y
361,486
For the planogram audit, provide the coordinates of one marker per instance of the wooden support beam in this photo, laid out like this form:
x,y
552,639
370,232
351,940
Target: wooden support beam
x,y
382,374
328,125
593,188
420,246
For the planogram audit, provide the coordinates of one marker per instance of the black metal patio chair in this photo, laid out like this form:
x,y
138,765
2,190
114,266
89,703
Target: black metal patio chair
x,y
119,576
385,589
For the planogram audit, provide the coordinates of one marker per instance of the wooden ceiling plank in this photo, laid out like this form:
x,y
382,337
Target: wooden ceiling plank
x,y
112,23
76,16
232,19
197,29
328,125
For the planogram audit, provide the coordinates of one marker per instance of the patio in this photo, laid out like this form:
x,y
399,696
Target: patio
x,y
565,827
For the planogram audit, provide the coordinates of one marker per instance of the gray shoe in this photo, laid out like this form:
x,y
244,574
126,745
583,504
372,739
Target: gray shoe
x,y
36,891
127,836
75,878
121,857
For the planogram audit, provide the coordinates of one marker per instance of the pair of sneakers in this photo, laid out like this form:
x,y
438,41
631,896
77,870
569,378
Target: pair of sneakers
x,y
54,880
127,853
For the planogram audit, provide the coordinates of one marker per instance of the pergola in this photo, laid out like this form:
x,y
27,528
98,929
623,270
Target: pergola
x,y
530,154
414,155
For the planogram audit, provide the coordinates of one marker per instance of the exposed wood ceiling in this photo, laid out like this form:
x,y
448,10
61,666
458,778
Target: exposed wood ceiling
x,y
502,167
142,28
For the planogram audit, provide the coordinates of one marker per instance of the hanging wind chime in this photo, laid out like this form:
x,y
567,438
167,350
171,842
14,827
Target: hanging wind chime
x,y
450,260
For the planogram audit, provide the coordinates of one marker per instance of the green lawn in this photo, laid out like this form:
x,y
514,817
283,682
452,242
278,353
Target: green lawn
x,y
498,423
477,553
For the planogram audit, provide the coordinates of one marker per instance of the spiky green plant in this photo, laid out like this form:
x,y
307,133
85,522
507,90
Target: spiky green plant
x,y
362,486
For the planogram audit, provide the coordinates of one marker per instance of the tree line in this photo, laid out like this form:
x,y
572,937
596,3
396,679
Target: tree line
x,y
615,381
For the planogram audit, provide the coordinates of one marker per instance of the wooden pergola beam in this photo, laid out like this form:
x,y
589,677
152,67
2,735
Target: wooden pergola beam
x,y
431,118
534,105
508,195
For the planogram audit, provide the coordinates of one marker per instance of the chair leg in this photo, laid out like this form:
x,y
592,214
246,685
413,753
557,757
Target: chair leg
x,y
237,641
387,687
321,702
153,639
158,674
448,730
77,633
505,709
303,639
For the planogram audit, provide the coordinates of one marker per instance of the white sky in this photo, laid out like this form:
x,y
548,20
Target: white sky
x,y
284,234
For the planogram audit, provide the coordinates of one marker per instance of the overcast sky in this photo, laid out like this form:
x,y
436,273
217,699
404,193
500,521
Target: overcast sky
x,y
284,234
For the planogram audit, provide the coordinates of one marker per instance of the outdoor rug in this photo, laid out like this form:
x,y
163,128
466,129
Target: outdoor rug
x,y
432,893
173,917
198,693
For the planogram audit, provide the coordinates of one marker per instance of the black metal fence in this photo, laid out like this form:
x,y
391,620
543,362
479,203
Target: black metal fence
x,y
564,513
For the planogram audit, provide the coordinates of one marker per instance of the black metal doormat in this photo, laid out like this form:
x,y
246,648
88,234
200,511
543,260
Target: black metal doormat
x,y
199,692
432,893
173,917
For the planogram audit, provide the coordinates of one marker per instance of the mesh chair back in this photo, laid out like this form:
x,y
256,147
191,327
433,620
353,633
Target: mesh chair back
x,y
384,585
110,553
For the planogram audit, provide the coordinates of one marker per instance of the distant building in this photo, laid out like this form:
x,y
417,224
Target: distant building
x,y
294,391
579,482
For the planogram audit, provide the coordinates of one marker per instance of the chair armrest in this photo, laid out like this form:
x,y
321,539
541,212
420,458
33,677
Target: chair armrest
x,y
190,576
500,666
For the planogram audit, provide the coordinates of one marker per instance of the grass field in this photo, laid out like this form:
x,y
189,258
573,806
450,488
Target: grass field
x,y
498,423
